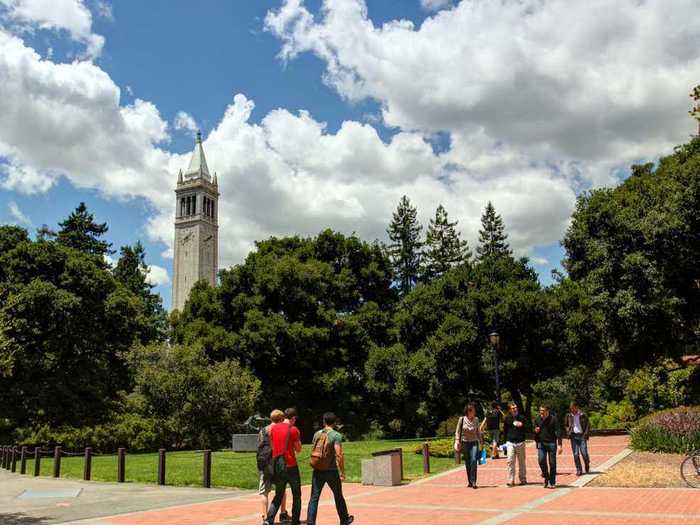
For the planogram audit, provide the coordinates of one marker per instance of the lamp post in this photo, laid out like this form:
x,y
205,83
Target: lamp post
x,y
495,340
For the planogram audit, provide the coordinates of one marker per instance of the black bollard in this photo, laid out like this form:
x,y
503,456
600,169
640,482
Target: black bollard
x,y
57,462
23,461
206,471
37,461
87,469
121,460
161,466
426,458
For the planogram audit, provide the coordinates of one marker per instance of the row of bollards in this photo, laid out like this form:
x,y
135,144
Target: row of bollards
x,y
9,456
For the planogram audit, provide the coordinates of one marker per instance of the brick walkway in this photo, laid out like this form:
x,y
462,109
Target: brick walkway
x,y
445,500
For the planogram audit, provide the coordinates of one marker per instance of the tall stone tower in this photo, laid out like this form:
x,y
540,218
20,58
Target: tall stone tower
x,y
196,227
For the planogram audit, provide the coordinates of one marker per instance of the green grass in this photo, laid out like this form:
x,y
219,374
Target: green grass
x,y
231,469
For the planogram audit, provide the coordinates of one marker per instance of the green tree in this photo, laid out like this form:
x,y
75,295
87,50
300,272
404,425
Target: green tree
x,y
132,271
636,250
405,246
301,314
493,241
198,402
81,232
444,249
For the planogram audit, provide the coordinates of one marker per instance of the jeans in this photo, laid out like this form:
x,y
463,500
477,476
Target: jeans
x,y
470,452
318,479
280,486
547,451
580,445
516,451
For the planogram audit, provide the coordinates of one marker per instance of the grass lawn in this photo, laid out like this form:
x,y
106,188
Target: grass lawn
x,y
232,469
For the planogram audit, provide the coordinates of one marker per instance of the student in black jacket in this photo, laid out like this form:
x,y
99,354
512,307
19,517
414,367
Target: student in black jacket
x,y
548,440
514,433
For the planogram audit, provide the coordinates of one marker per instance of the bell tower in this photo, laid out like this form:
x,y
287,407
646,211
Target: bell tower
x,y
196,227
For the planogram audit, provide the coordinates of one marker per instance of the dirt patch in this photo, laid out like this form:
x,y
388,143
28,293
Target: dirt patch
x,y
644,469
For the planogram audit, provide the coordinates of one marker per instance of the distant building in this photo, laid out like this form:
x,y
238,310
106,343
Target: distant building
x,y
196,227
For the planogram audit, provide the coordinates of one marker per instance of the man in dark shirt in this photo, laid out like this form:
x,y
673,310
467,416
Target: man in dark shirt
x,y
514,434
548,439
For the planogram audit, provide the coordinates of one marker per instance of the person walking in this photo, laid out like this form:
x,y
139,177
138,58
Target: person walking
x,y
548,440
286,441
492,424
514,434
328,465
577,429
265,479
468,441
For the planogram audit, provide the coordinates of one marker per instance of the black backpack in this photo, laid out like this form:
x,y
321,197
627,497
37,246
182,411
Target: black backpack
x,y
264,455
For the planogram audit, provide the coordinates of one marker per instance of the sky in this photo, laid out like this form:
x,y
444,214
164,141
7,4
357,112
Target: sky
x,y
319,114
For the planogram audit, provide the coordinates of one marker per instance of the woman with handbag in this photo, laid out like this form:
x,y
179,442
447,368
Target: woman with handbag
x,y
468,441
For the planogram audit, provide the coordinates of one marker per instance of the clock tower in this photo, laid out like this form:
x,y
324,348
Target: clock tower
x,y
196,227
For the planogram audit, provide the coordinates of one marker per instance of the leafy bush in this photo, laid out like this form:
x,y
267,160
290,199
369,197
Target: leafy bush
x,y
675,430
444,448
447,427
660,385
618,414
133,431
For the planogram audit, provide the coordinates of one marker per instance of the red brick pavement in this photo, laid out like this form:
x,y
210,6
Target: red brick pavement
x,y
445,500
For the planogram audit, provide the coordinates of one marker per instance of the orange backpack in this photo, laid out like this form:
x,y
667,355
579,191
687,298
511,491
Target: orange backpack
x,y
321,454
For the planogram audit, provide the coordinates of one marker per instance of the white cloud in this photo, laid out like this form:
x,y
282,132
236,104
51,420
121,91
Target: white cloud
x,y
17,216
157,276
184,120
539,261
104,10
434,5
69,15
511,76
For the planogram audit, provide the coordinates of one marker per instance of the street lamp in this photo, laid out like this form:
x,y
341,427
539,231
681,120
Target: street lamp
x,y
495,340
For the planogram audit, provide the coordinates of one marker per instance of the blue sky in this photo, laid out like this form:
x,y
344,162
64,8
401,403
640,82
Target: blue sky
x,y
422,107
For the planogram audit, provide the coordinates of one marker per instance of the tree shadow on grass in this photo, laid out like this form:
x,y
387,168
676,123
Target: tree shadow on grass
x,y
18,518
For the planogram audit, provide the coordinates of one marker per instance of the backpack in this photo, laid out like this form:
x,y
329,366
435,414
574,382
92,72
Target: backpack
x,y
279,463
264,454
321,454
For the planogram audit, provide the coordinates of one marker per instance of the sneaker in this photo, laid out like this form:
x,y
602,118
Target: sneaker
x,y
588,468
285,517
474,486
349,520
546,484
579,473
552,486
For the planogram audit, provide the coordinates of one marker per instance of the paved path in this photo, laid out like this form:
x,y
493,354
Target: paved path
x,y
445,500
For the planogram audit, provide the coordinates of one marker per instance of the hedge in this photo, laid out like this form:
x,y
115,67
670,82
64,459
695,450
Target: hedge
x,y
675,430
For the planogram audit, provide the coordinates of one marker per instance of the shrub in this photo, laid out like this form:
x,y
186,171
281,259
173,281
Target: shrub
x,y
618,414
447,427
675,430
444,448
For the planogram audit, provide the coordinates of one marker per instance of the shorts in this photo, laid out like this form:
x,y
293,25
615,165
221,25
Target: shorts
x,y
264,485
495,435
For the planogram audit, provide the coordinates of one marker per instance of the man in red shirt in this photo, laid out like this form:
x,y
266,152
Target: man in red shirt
x,y
286,431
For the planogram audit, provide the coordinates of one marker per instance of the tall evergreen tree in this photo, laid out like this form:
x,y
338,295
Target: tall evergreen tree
x,y
80,231
444,249
132,271
405,247
492,237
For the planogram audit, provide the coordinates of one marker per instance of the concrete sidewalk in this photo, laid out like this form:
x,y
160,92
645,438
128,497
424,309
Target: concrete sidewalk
x,y
27,500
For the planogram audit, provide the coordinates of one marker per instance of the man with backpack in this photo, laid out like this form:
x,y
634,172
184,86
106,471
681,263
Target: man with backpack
x,y
265,467
328,467
286,443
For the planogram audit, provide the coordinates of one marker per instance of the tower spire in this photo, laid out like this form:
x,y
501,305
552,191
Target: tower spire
x,y
198,164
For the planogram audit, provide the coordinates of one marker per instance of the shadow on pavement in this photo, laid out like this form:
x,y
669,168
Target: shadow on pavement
x,y
21,519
